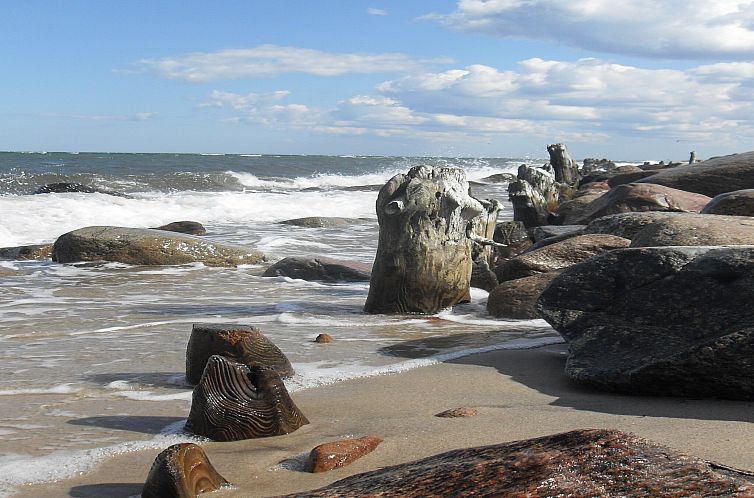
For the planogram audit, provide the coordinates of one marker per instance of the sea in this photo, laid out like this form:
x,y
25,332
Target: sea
x,y
93,354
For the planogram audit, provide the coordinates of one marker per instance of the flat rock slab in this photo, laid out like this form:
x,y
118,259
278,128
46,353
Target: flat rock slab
x,y
320,269
697,230
673,321
583,463
711,177
337,454
144,246
738,203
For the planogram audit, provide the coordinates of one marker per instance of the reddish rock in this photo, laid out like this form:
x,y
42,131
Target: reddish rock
x,y
573,211
182,471
323,339
642,197
582,463
338,454
462,412
516,298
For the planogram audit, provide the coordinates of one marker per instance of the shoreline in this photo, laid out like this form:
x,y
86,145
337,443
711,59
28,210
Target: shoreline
x,y
519,394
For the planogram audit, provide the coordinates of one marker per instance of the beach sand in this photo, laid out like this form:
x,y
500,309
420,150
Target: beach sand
x,y
519,394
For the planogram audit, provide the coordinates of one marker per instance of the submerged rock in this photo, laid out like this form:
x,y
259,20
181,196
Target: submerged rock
x,y
671,321
323,222
188,227
242,343
30,252
62,188
323,339
319,268
338,454
234,402
142,246
583,463
182,471
697,230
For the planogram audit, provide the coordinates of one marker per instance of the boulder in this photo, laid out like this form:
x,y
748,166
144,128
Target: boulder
x,y
182,471
323,222
548,231
323,339
482,277
36,251
234,402
516,298
462,412
672,321
188,227
711,177
626,225
623,178
319,268
580,463
423,261
737,203
338,454
558,256
62,188
573,211
642,197
697,230
143,246
241,343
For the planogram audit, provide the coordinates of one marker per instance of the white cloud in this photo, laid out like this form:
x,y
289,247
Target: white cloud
x,y
139,116
376,12
668,29
273,60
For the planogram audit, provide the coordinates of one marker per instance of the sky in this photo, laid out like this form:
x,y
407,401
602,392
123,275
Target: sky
x,y
628,80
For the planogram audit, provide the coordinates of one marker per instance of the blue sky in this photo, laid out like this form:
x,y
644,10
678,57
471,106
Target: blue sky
x,y
637,79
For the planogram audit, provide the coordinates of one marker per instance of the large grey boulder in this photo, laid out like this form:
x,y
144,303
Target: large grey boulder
x,y
691,229
626,225
737,203
558,256
144,246
642,197
319,268
660,320
711,177
423,262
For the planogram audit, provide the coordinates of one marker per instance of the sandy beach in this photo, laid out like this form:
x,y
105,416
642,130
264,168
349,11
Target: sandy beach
x,y
519,394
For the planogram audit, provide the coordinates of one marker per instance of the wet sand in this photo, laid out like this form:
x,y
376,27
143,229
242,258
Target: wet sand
x,y
519,394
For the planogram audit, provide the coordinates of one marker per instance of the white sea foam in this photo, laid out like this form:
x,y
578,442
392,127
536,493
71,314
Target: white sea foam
x,y
59,389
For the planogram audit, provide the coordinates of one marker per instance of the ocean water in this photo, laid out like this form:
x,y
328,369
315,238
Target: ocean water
x,y
93,354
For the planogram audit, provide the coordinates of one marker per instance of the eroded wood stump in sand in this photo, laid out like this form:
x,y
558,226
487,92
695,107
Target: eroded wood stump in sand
x,y
241,343
233,402
182,471
423,261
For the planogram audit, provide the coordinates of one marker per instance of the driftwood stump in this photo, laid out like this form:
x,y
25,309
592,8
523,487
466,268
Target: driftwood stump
x,y
423,261
566,169
182,471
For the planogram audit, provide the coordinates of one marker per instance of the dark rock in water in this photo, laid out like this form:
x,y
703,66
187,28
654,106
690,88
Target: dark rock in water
x,y
323,222
697,230
627,225
37,251
338,454
142,246
643,197
737,203
516,298
362,188
322,269
623,178
482,277
463,412
558,256
711,177
423,261
581,463
500,178
659,320
234,402
323,339
62,188
188,227
241,343
182,471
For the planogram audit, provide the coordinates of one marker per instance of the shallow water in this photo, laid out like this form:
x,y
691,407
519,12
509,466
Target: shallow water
x,y
93,355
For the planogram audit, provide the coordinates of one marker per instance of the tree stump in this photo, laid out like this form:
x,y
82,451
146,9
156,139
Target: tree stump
x,y
566,170
182,471
423,261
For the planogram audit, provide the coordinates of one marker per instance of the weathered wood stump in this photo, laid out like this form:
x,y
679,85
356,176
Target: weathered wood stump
x,y
182,471
566,169
534,196
233,402
423,261
241,343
